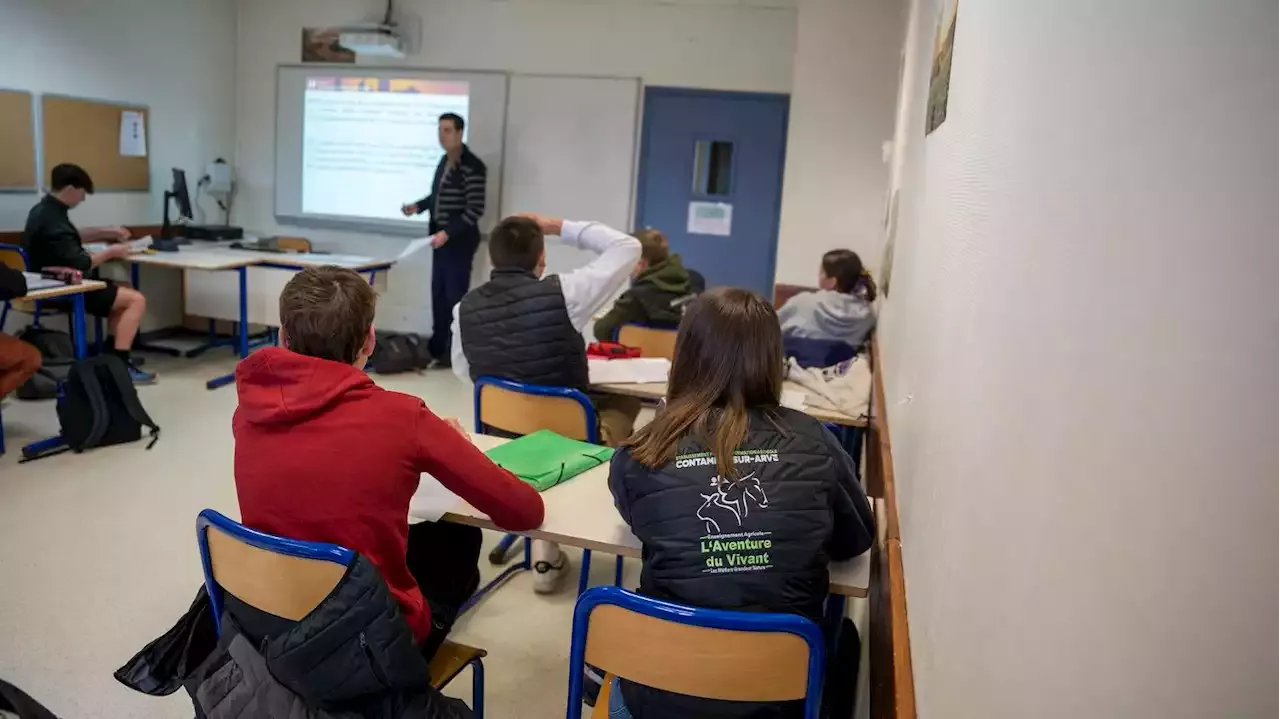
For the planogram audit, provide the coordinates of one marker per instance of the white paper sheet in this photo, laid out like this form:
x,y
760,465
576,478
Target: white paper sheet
x,y
414,246
133,134
710,218
431,500
628,371
793,399
36,282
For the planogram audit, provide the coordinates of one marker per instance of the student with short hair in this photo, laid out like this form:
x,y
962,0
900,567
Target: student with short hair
x,y
660,288
18,360
525,327
721,461
840,309
323,454
51,240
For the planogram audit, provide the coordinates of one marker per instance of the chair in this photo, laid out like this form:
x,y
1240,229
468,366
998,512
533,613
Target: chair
x,y
709,653
520,409
296,244
652,341
14,257
289,578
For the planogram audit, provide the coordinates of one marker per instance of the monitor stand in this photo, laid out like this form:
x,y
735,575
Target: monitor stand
x,y
166,228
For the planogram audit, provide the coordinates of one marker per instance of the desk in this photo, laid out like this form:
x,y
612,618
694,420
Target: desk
x,y
209,260
658,390
76,293
580,513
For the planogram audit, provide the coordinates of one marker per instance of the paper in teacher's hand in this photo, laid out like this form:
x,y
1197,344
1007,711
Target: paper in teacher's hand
x,y
414,246
431,500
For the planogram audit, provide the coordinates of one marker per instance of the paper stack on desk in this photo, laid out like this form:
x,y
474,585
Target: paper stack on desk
x,y
36,281
638,370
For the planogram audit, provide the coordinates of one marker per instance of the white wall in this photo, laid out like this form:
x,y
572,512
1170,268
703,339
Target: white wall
x,y
845,78
725,44
173,56
1080,357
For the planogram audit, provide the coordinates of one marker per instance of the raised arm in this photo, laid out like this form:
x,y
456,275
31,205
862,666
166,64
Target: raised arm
x,y
589,287
450,457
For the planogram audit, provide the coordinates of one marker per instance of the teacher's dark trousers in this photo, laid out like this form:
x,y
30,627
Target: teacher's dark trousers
x,y
450,280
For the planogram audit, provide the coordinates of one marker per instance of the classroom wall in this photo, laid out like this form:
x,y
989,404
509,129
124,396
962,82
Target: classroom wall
x,y
175,57
1080,357
727,45
844,81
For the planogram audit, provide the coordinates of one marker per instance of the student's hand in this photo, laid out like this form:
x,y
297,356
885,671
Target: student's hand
x,y
119,234
548,225
116,252
409,210
453,422
439,238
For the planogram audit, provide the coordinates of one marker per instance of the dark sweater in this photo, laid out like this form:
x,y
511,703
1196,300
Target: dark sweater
x,y
656,298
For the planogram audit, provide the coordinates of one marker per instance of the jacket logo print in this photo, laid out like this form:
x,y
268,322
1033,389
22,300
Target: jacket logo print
x,y
733,496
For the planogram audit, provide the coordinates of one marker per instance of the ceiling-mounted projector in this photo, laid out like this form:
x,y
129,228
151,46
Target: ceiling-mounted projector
x,y
377,40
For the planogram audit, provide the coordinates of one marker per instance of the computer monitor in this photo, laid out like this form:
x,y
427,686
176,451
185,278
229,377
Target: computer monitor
x,y
180,195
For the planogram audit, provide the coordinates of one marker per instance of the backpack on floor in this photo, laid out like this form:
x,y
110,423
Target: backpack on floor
x,y
395,352
98,407
56,354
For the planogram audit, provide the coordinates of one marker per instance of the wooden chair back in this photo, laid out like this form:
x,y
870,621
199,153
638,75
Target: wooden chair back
x,y
279,584
12,258
523,413
699,661
652,342
295,244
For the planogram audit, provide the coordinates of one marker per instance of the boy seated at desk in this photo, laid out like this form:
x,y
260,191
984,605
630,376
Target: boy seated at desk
x,y
18,360
51,240
723,460
660,289
524,327
323,454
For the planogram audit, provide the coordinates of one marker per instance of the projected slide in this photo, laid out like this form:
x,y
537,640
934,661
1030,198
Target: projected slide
x,y
370,144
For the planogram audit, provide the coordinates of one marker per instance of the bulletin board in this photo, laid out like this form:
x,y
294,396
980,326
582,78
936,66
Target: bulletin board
x,y
18,158
87,133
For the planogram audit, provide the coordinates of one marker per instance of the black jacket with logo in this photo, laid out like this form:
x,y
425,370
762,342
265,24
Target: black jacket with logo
x,y
516,327
760,542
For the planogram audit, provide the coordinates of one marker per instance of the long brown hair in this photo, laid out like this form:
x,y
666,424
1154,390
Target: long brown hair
x,y
728,360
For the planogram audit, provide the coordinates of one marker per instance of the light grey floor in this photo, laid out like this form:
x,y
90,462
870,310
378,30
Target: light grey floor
x,y
98,556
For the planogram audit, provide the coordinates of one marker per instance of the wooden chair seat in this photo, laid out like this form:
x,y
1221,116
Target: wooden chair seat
x,y
450,659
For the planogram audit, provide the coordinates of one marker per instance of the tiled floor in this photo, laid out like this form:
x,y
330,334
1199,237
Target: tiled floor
x,y
98,557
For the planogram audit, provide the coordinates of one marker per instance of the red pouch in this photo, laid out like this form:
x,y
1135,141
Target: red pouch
x,y
611,350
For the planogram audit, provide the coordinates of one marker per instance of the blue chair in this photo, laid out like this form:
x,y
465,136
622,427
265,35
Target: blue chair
x,y
817,353
288,578
15,257
516,408
709,653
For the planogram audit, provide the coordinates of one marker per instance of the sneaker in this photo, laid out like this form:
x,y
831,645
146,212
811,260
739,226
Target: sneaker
x,y
139,377
547,577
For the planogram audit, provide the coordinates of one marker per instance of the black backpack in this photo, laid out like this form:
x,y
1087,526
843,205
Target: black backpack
x,y
98,407
56,354
396,352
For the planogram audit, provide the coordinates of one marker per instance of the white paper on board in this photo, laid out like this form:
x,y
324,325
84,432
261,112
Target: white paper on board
x,y
710,218
133,134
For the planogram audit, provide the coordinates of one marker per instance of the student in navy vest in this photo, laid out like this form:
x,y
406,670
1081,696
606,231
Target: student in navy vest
x,y
456,204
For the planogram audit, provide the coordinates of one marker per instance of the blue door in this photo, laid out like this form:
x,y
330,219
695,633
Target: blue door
x,y
711,179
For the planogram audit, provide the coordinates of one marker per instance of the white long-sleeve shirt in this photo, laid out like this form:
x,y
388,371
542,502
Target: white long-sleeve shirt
x,y
586,289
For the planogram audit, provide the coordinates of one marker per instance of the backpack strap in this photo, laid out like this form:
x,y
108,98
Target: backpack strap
x,y
85,373
129,395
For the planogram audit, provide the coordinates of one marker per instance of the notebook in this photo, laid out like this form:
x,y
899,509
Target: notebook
x,y
544,459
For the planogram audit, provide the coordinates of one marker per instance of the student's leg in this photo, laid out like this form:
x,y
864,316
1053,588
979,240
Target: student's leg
x,y
444,559
18,361
125,318
441,310
617,417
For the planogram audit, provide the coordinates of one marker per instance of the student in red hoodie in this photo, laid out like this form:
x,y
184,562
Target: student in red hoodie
x,y
325,455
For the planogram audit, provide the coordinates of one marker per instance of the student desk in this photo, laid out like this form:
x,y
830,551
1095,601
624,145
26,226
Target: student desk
x,y
76,293
580,513
208,260
658,390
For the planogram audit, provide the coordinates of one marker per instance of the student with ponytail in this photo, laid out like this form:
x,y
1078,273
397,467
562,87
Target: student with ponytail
x,y
740,503
840,309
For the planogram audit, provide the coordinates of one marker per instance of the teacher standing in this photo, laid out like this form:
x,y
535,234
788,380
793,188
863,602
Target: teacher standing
x,y
456,204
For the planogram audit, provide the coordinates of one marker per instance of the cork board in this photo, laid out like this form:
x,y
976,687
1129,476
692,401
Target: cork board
x,y
87,133
18,160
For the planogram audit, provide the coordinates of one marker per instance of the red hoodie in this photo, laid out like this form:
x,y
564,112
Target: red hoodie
x,y
325,455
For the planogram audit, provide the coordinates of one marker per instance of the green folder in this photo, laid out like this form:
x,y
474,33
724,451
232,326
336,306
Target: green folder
x,y
544,459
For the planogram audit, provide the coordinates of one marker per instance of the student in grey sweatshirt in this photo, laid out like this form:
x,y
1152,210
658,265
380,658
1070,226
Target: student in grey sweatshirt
x,y
840,310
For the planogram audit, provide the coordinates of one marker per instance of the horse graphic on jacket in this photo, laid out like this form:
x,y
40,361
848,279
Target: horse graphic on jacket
x,y
735,497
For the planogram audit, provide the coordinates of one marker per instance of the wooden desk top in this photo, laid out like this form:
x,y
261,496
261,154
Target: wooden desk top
x,y
50,293
193,259
658,390
580,513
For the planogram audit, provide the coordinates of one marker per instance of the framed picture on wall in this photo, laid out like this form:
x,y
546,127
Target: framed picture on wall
x,y
940,77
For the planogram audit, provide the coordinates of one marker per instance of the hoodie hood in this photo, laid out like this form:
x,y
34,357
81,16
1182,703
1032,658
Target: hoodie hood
x,y
668,276
282,388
